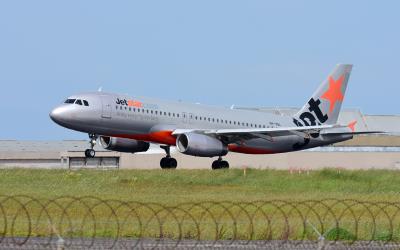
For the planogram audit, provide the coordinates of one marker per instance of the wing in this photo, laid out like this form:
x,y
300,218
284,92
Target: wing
x,y
235,135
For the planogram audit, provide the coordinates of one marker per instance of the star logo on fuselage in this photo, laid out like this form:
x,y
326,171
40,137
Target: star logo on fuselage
x,y
334,93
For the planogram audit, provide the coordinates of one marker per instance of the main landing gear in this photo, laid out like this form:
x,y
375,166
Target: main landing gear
x,y
220,164
168,161
91,153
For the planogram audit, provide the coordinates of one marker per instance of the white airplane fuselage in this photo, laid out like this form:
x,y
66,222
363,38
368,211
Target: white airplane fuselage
x,y
152,120
128,124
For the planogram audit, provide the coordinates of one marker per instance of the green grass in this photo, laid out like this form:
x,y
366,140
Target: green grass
x,y
193,185
171,187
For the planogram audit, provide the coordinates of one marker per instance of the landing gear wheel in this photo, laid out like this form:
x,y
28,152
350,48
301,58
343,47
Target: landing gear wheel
x,y
173,163
90,153
215,165
224,164
168,162
219,164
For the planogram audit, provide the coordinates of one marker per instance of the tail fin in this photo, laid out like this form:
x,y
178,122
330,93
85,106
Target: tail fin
x,y
325,104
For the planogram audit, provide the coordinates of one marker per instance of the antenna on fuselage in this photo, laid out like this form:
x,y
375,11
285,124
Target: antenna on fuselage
x,y
233,106
100,89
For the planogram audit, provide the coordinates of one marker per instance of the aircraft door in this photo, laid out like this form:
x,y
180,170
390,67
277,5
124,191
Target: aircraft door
x,y
106,109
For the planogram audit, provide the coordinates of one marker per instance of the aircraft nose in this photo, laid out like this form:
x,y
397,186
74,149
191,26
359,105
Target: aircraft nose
x,y
58,114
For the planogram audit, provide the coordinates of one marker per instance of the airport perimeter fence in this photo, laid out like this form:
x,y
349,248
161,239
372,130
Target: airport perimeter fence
x,y
90,222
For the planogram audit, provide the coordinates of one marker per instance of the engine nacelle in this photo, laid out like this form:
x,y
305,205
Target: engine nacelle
x,y
123,145
200,145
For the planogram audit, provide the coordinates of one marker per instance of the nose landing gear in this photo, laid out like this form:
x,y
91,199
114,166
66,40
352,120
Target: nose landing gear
x,y
220,164
168,161
91,153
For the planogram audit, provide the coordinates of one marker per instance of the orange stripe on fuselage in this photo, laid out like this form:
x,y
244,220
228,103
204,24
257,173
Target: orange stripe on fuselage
x,y
248,150
166,137
162,137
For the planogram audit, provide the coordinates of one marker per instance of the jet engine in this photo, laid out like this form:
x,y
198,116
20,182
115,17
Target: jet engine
x,y
123,145
200,145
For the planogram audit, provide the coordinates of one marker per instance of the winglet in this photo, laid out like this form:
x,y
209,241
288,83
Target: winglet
x,y
352,125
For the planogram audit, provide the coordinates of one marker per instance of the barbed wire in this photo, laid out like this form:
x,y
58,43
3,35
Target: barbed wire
x,y
91,222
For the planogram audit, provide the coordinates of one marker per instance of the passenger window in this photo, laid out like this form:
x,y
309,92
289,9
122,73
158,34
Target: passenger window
x,y
177,115
79,102
85,102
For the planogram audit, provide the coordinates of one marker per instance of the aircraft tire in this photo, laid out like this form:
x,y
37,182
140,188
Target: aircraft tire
x,y
163,163
168,162
172,163
224,164
90,153
216,165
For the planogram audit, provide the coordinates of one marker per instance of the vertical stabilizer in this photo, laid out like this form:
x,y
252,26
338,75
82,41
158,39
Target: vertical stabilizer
x,y
325,104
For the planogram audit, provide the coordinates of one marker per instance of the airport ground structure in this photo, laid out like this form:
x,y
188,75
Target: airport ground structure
x,y
377,151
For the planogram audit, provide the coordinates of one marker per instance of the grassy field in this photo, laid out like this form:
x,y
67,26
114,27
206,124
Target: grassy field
x,y
164,186
171,187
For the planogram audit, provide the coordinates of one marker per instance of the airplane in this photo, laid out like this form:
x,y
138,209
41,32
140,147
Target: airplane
x,y
129,124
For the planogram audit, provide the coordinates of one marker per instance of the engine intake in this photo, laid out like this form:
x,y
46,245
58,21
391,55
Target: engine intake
x,y
200,145
123,145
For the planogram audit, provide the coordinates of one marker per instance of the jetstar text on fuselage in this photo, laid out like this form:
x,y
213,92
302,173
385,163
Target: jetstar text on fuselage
x,y
136,104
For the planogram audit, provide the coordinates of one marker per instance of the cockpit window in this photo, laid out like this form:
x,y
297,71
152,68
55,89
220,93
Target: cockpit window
x,y
85,102
70,101
79,102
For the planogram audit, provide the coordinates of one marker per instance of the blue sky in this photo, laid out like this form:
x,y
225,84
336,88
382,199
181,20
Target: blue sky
x,y
248,53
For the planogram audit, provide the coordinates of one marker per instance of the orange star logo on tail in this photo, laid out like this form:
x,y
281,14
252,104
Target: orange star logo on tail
x,y
352,126
334,93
